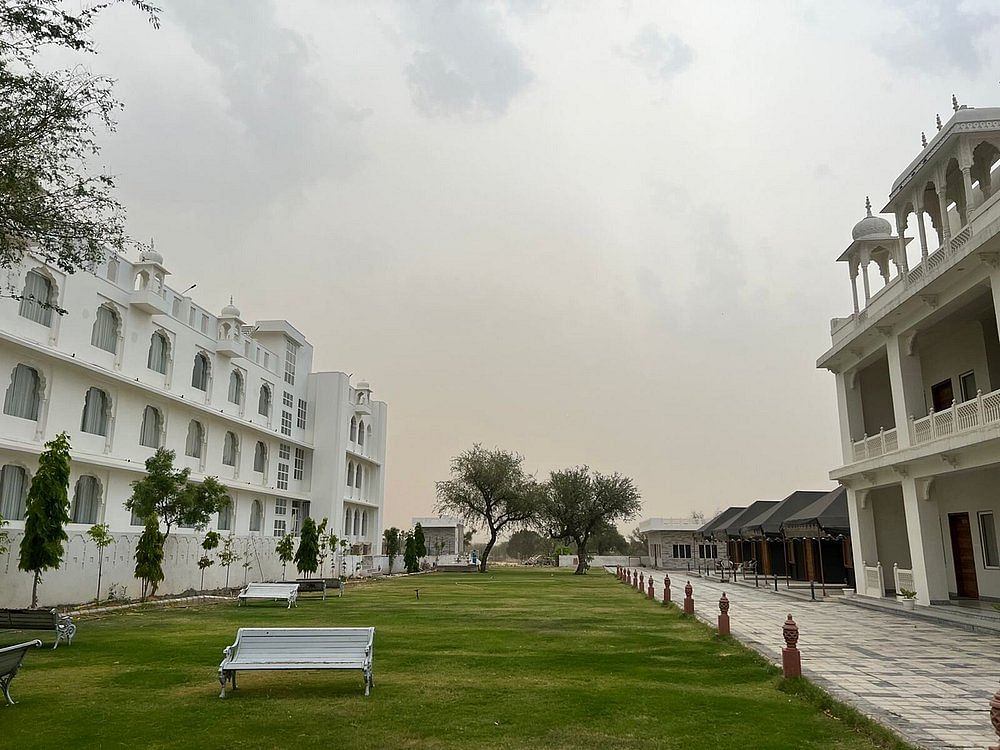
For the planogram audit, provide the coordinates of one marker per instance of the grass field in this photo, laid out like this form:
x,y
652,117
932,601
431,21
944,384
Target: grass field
x,y
514,658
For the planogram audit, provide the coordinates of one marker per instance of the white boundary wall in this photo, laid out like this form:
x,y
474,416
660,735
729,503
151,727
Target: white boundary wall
x,y
597,561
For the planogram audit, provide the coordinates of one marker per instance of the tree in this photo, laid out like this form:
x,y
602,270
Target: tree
x,y
166,493
149,556
419,541
391,537
577,503
4,537
410,558
489,486
525,543
636,542
608,540
306,556
323,540
285,549
209,543
49,201
343,559
100,535
46,512
228,555
467,539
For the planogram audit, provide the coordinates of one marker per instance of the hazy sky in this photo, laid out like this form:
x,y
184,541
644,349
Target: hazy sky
x,y
598,233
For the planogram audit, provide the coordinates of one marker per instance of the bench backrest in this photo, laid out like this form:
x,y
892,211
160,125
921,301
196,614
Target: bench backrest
x,y
316,584
10,657
270,589
30,619
268,644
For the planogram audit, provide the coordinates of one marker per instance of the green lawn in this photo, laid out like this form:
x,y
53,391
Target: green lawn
x,y
514,658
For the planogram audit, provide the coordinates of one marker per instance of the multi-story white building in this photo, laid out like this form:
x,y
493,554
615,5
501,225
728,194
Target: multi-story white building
x,y
134,365
917,366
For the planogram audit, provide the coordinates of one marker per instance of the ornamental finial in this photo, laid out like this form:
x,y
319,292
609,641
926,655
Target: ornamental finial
x,y
938,119
954,102
868,205
230,299
923,139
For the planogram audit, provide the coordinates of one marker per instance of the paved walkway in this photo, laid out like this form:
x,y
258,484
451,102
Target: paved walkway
x,y
931,683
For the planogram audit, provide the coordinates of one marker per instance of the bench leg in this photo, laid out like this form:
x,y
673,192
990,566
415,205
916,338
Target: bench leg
x,y
222,681
5,686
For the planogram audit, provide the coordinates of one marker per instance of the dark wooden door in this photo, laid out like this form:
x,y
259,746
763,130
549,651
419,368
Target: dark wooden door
x,y
963,554
942,394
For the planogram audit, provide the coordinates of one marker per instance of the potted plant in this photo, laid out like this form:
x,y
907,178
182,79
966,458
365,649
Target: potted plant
x,y
907,598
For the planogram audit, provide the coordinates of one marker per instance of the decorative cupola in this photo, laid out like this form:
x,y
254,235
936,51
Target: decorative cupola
x,y
149,272
230,327
231,312
362,397
873,241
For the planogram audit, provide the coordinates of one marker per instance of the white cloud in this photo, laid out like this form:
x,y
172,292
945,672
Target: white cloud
x,y
661,56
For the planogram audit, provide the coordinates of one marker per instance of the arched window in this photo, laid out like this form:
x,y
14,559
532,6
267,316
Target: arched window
x,y
226,516
195,439
86,499
361,432
357,476
13,491
264,401
159,352
199,375
113,270
260,457
256,515
354,429
368,435
350,473
96,410
229,449
357,523
36,299
152,427
364,523
236,387
24,393
347,522
105,333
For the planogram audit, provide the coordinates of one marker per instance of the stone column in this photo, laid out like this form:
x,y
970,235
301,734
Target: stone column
x,y
907,384
864,272
853,271
945,221
921,229
995,288
967,186
904,264
923,531
849,409
863,544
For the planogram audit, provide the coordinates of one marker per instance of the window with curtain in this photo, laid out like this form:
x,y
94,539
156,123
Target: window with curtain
x,y
364,522
347,522
368,435
13,491
113,270
264,401
226,516
260,457
159,352
229,449
86,499
354,429
256,516
36,298
24,393
96,408
361,433
357,476
199,375
195,438
152,426
357,523
235,387
105,333
350,473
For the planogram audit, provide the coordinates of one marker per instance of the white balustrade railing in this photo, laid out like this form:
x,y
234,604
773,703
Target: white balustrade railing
x,y
903,579
887,441
980,411
874,585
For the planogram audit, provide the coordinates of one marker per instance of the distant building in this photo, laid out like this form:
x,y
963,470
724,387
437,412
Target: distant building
x,y
917,366
443,535
672,543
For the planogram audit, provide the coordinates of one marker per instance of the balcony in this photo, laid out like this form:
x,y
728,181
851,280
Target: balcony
x,y
149,301
887,441
230,348
363,408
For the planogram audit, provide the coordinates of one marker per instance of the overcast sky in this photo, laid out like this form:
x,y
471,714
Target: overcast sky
x,y
599,233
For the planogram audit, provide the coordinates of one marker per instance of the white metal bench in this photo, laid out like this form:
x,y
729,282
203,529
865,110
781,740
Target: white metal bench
x,y
298,648
287,591
39,619
10,661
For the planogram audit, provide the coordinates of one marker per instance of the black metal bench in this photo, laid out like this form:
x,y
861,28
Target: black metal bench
x,y
10,661
39,619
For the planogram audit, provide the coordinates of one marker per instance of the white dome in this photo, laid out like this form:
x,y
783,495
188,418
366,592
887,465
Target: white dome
x,y
150,256
871,227
230,310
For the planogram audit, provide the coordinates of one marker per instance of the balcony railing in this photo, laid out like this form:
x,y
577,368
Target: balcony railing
x,y
983,410
887,441
903,579
873,581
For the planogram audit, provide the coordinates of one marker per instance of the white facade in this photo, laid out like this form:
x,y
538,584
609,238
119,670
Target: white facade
x,y
672,544
134,365
917,367
444,536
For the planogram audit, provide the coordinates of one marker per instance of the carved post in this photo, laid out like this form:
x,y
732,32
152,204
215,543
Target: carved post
x,y
666,589
995,717
649,592
639,588
791,659
688,599
723,614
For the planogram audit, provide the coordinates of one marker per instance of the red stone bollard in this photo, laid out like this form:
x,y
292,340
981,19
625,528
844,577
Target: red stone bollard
x,y
688,599
649,592
618,572
631,578
640,586
995,717
723,615
666,589
791,658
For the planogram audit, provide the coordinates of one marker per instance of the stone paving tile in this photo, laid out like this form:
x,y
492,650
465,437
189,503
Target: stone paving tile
x,y
931,683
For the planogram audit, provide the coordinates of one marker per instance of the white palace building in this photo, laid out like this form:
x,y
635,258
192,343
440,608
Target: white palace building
x,y
133,365
917,366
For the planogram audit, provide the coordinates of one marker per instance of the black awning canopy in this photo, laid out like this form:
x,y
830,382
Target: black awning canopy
x,y
826,517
